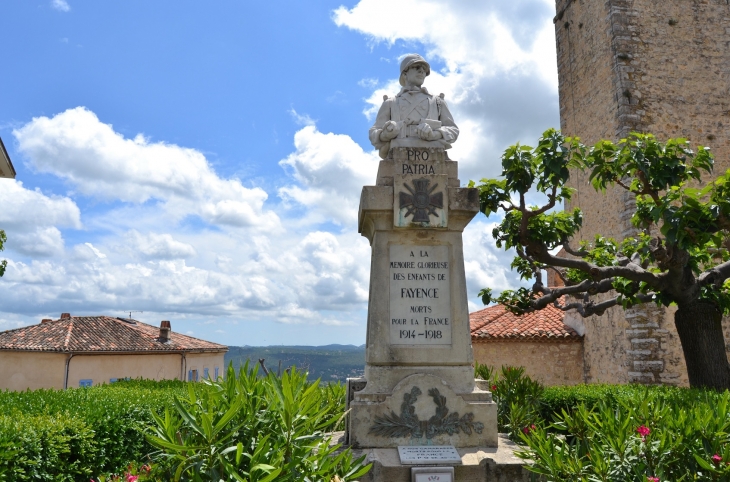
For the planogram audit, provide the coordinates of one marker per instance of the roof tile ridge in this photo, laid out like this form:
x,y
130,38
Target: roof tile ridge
x,y
491,320
68,334
9,330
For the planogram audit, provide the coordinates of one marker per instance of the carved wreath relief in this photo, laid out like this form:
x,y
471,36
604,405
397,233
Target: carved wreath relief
x,y
407,423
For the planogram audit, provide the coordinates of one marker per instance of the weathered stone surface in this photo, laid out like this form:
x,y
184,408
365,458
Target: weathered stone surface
x,y
379,350
625,65
564,366
418,319
413,118
421,201
409,416
420,301
478,464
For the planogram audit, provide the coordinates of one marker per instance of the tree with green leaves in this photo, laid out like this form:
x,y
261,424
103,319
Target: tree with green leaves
x,y
679,256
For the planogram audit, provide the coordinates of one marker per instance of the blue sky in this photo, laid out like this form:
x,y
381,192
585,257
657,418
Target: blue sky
x,y
202,162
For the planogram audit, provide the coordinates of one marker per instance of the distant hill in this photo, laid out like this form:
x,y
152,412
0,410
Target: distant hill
x,y
328,362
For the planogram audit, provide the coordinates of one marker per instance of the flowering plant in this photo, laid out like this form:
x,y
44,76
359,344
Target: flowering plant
x,y
132,474
651,438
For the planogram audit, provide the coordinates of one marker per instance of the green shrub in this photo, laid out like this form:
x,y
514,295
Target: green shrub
x,y
114,414
670,434
517,397
247,428
616,433
46,447
556,399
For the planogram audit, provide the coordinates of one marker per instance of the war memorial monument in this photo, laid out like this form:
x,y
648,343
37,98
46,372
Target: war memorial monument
x,y
418,403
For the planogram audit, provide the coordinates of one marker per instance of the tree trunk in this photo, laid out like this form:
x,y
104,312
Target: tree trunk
x,y
700,331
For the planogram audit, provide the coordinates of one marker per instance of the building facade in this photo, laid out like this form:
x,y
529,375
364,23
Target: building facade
x,y
80,351
6,165
647,66
548,349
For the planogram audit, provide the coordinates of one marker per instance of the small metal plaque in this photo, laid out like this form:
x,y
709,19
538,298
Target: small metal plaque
x,y
428,454
432,474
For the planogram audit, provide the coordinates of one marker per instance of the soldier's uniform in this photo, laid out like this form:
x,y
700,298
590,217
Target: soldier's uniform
x,y
408,109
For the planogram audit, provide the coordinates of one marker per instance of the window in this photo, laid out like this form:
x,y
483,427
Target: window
x,y
205,373
86,382
216,373
112,380
193,376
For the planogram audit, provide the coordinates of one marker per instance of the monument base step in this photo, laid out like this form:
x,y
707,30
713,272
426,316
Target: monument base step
x,y
478,464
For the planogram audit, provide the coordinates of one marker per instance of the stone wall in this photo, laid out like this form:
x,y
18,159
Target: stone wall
x,y
659,67
552,363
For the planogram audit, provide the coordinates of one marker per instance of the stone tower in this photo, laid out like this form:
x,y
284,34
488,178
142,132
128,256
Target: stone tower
x,y
650,66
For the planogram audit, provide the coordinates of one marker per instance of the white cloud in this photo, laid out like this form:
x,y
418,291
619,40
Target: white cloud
x,y
41,241
77,146
60,5
288,281
301,119
31,219
499,73
483,38
96,252
24,208
158,246
331,170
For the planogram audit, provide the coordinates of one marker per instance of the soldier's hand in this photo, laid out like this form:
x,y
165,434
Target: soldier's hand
x,y
390,131
425,132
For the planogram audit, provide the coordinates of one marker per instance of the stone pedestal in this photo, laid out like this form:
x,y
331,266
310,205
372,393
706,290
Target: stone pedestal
x,y
420,386
478,464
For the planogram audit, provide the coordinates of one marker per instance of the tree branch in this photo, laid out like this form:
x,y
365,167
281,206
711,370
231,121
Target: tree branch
x,y
715,276
507,209
631,271
587,286
548,206
590,308
581,253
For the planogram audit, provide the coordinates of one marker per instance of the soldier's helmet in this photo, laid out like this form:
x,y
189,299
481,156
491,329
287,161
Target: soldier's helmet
x,y
409,61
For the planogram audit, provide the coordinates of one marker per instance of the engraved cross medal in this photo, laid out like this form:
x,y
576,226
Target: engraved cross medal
x,y
421,202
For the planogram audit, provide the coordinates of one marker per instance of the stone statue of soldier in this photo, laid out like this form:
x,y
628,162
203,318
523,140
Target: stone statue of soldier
x,y
413,118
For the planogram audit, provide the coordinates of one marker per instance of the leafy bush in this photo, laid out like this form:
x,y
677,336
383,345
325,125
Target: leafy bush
x,y
72,434
649,437
114,414
81,433
246,428
556,399
517,397
616,433
44,447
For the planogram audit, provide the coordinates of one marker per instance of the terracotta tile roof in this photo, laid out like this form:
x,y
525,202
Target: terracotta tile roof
x,y
80,334
496,323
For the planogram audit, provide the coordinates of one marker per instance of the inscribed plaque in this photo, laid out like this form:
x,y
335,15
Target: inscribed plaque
x,y
420,295
428,454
